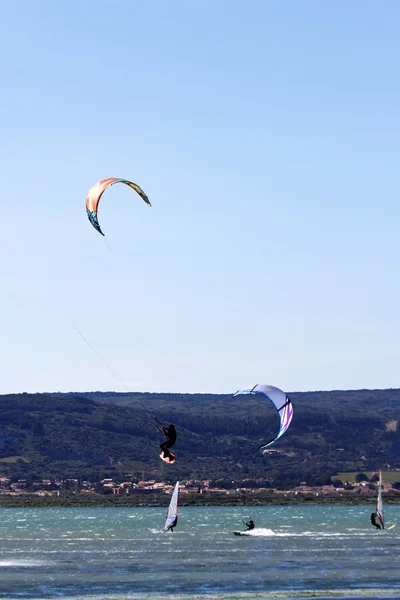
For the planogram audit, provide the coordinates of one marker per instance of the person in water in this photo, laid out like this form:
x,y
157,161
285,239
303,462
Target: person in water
x,y
173,524
373,521
170,434
250,525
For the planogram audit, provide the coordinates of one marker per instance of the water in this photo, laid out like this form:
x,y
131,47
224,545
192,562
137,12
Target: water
x,y
121,553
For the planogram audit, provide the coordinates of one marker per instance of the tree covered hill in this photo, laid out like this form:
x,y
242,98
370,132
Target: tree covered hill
x,y
106,434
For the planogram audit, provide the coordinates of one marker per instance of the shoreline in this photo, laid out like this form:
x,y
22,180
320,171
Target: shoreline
x,y
139,500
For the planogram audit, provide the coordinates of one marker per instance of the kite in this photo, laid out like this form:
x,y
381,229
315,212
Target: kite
x,y
96,192
281,402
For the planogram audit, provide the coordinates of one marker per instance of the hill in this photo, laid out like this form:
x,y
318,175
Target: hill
x,y
95,435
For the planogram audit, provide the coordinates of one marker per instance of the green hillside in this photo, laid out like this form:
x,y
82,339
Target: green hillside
x,y
96,435
387,476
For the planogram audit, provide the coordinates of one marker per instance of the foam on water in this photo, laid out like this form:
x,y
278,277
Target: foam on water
x,y
259,532
22,563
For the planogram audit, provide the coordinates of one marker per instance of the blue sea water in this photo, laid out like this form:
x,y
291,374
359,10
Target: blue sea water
x,y
296,552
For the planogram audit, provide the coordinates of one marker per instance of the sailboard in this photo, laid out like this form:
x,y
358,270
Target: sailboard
x,y
172,508
379,504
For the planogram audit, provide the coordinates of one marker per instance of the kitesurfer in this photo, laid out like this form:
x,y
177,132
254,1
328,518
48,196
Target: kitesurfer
x,y
373,521
173,524
170,434
249,525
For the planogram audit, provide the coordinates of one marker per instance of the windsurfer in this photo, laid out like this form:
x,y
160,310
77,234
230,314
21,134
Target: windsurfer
x,y
373,521
173,524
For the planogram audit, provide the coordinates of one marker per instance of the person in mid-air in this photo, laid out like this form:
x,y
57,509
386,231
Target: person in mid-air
x,y
250,525
173,524
170,434
373,521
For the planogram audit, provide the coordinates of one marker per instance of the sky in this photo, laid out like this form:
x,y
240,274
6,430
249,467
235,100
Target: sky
x,y
266,134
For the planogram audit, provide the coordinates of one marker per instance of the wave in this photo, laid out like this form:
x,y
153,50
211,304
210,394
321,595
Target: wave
x,y
342,594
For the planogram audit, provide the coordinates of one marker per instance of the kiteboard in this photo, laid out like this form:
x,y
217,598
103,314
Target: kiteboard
x,y
169,459
391,527
242,533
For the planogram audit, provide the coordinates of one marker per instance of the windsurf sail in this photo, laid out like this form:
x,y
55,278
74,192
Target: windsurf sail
x,y
173,508
281,402
379,504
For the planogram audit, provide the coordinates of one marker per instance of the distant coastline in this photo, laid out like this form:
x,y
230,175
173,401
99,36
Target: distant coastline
x,y
68,442
161,500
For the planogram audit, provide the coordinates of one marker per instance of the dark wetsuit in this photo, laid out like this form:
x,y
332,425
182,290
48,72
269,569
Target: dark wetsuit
x,y
170,433
173,524
373,521
250,524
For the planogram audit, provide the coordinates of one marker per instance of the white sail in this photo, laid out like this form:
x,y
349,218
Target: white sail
x,y
379,504
173,507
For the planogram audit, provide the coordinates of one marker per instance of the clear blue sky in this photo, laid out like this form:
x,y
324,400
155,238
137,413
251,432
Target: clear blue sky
x,y
266,134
